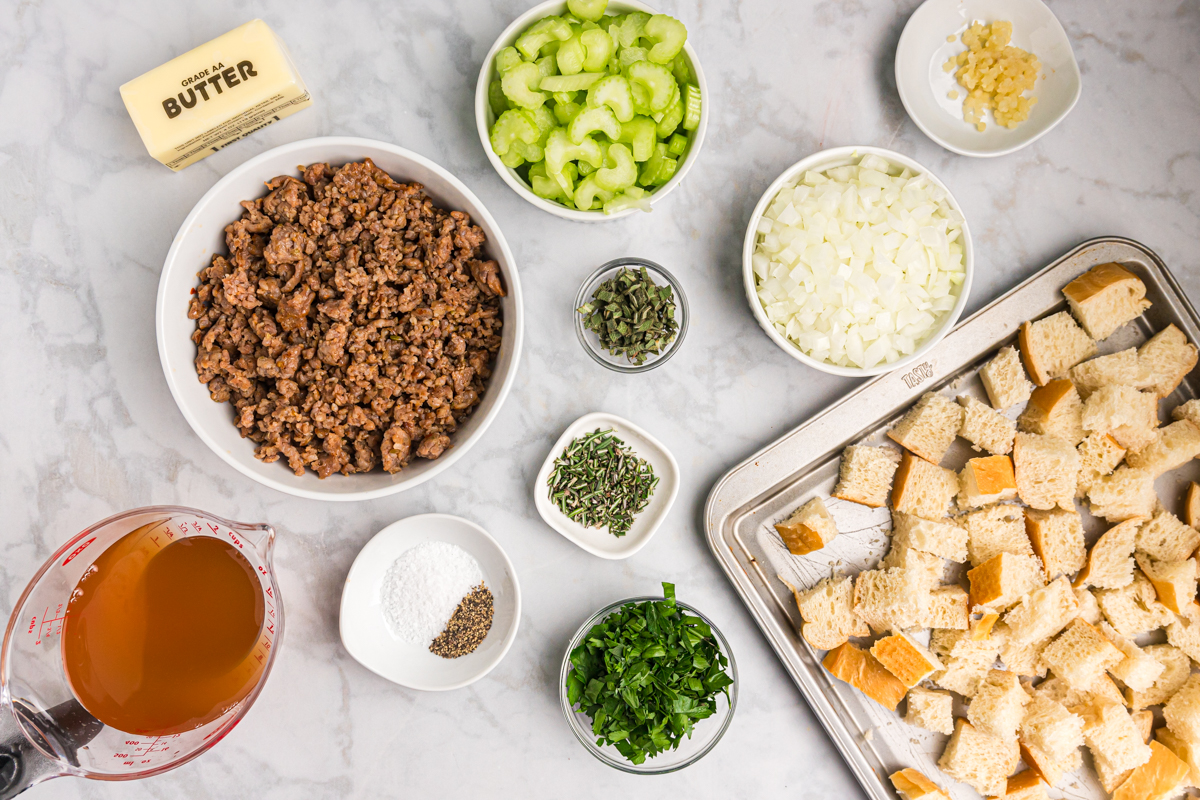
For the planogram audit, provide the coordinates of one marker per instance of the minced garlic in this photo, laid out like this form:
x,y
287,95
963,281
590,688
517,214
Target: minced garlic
x,y
995,75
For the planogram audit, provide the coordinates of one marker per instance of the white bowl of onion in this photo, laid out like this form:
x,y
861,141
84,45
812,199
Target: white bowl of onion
x,y
857,261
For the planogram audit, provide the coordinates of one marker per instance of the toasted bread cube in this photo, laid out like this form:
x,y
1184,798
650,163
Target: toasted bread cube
x,y
1159,778
1134,609
1081,654
930,709
1165,360
1004,579
1051,346
912,785
1026,785
1054,410
1110,562
908,660
1144,720
929,427
809,528
1126,494
1189,411
1057,539
1173,446
1185,751
1191,505
860,669
996,529
865,476
966,659
945,539
1051,728
1004,379
1166,538
926,568
1119,369
1176,669
1126,414
890,599
1137,670
979,760
1105,298
1174,581
1047,468
999,705
1023,659
1089,608
986,480
1113,737
948,608
1184,632
1049,770
984,427
923,489
1099,455
1042,613
828,612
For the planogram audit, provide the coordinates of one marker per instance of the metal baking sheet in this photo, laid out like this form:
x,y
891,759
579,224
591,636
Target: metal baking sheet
x,y
768,486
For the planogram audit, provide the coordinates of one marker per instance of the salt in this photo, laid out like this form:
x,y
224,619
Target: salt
x,y
423,587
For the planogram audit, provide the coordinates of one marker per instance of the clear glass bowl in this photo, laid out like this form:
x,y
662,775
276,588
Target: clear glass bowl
x,y
705,734
591,342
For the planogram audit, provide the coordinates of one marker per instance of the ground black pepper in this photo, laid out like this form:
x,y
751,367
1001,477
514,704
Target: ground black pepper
x,y
468,625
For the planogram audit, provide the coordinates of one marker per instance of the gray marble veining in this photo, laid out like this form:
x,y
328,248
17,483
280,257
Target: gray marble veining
x,y
88,428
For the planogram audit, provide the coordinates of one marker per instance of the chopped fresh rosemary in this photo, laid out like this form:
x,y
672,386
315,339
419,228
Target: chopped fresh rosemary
x,y
632,315
599,482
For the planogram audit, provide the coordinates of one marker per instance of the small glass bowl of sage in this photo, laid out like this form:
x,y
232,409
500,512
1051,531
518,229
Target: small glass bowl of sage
x,y
631,315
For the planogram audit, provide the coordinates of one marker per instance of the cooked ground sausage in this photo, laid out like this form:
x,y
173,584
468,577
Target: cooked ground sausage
x,y
352,325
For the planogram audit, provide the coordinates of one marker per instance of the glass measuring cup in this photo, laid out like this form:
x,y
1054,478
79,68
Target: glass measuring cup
x,y
44,731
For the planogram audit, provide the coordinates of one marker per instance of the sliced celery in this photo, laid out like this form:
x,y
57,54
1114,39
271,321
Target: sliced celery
x,y
691,102
641,132
545,120
681,70
565,178
599,48
668,35
623,172
612,91
496,98
585,168
506,59
591,10
588,191
541,32
547,66
633,27
570,56
670,119
565,112
520,83
594,119
563,98
628,55
515,137
659,168
570,83
542,185
633,197
678,145
657,80
560,149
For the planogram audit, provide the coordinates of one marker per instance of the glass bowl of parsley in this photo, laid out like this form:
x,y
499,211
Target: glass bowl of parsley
x,y
648,685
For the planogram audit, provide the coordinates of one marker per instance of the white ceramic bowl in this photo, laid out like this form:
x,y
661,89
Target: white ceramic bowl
x,y
598,541
823,160
202,234
484,116
364,630
924,86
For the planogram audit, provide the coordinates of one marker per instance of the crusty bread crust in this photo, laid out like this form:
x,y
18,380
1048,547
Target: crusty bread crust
x,y
861,670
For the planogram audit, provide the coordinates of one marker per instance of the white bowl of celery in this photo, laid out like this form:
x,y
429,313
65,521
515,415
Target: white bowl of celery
x,y
590,109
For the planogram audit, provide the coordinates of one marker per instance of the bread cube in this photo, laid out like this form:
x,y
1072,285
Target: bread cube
x,y
1184,632
865,475
1004,579
1189,411
1173,446
1020,658
908,660
1057,539
1191,505
1159,778
1051,346
945,539
1051,728
930,709
996,529
809,528
1054,410
966,659
979,760
1176,668
1089,608
1113,738
912,785
1047,468
1126,414
984,427
1004,379
828,612
986,480
860,669
890,599
1165,360
1137,670
1116,369
929,427
1026,785
926,568
1110,562
1174,581
1077,701
923,489
999,705
1134,609
948,608
1185,751
1105,298
1081,654
1099,455
1042,613
1182,711
1166,538
1126,494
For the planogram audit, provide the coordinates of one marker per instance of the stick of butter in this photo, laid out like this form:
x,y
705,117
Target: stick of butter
x,y
210,97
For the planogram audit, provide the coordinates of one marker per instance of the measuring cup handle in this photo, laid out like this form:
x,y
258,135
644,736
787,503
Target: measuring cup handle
x,y
21,764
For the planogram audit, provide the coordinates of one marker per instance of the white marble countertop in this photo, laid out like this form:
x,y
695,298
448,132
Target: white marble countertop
x,y
88,428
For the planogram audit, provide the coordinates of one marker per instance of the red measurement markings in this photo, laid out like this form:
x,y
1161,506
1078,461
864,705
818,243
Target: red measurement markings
x,y
77,551
48,627
145,752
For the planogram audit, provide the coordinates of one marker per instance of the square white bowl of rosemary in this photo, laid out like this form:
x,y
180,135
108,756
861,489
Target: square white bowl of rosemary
x,y
606,485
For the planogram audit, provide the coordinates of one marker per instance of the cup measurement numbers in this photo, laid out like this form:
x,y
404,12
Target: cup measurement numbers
x,y
138,752
50,625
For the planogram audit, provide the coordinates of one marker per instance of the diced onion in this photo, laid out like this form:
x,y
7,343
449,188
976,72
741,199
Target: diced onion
x,y
859,265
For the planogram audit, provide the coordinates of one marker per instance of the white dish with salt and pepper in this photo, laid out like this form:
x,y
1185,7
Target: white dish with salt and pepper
x,y
366,634
598,541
